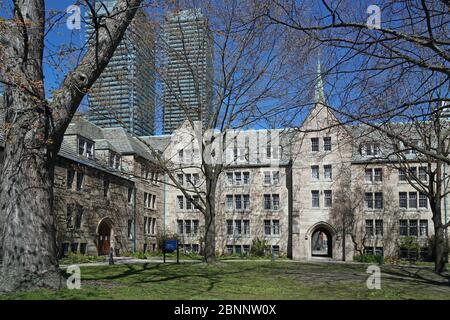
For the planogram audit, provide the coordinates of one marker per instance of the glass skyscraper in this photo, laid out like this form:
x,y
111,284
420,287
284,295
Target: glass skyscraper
x,y
124,94
187,73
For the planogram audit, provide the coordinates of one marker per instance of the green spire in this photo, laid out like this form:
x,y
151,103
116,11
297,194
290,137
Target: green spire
x,y
319,95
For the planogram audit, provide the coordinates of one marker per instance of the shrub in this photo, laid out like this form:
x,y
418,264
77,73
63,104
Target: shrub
x,y
73,258
369,258
259,248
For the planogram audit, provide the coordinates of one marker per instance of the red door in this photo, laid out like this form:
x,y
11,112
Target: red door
x,y
104,238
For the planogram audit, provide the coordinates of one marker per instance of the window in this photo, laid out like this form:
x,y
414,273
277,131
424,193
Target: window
x,y
145,225
369,228
327,172
267,227
196,179
187,227
180,178
70,177
410,227
275,177
327,143
246,227
188,179
130,195
275,202
267,201
403,199
69,216
315,173
370,149
130,229
314,144
229,202
373,175
378,176
78,217
401,175
114,160
85,148
144,172
180,156
180,202
403,227
105,187
238,227
424,228
229,249
80,178
246,202
83,247
315,198
423,201
328,201
368,197
412,200
378,200
275,227
180,227
379,227
146,200
229,227
267,178
423,175
276,250
195,227
74,247
237,249
409,200
188,203
246,177
230,178
413,172
238,201
65,248
237,178
368,175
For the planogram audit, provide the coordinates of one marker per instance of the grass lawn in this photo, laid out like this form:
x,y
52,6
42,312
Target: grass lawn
x,y
248,280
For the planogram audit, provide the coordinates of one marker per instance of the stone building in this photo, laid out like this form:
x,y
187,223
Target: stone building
x,y
289,187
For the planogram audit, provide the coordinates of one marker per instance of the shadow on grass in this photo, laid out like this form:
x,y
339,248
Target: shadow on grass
x,y
415,275
159,272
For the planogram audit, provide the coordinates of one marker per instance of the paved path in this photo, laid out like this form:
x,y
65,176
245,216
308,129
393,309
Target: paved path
x,y
128,260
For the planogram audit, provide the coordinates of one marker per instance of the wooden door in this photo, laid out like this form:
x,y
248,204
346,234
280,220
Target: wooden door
x,y
104,238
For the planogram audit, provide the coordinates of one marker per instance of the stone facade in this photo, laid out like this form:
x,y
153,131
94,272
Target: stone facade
x,y
290,195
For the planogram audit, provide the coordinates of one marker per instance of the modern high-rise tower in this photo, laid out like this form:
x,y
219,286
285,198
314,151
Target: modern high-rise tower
x,y
124,94
187,75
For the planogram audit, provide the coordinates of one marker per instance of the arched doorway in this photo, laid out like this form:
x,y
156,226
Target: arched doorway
x,y
321,242
104,232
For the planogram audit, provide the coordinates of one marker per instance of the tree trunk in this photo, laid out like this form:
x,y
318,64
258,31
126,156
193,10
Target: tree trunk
x,y
439,247
210,217
28,224
210,238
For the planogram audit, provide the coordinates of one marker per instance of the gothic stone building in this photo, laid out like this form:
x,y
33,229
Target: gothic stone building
x,y
290,192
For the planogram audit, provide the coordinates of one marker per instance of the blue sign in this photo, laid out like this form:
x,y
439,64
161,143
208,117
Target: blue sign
x,y
170,245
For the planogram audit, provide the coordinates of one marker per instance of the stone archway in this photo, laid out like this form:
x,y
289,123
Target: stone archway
x,y
321,240
104,236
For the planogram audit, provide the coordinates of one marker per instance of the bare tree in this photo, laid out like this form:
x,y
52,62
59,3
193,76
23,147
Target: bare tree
x,y
34,131
382,73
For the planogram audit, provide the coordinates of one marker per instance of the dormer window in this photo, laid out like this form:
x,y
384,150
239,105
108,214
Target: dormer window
x,y
114,160
370,149
85,148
